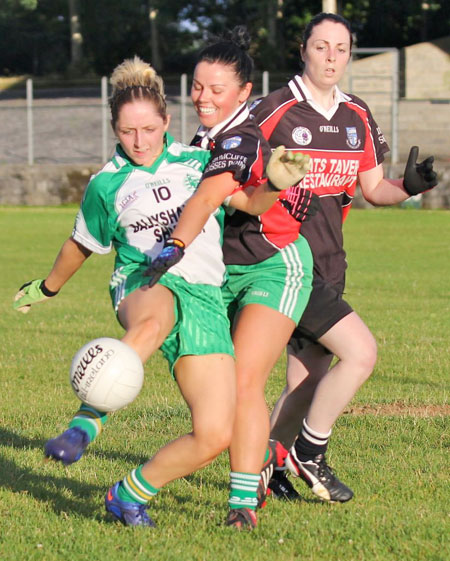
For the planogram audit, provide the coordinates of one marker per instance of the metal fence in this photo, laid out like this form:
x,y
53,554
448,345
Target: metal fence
x,y
72,126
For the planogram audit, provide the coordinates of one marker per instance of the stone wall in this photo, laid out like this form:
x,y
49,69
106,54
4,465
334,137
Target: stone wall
x,y
63,184
424,108
427,70
424,71
43,184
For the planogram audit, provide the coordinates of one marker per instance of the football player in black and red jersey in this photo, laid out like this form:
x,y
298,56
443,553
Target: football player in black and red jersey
x,y
269,265
313,116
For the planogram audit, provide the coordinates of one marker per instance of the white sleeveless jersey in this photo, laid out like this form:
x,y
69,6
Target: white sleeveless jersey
x,y
136,208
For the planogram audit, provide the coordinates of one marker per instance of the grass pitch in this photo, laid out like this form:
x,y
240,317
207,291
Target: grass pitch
x,y
391,445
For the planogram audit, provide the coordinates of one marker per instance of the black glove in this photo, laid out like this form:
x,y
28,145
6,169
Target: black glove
x,y
170,255
418,177
302,204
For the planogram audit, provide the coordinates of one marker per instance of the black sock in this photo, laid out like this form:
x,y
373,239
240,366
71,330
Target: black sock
x,y
310,443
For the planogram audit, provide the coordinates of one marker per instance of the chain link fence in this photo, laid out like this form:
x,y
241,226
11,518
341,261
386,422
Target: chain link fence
x,y
71,126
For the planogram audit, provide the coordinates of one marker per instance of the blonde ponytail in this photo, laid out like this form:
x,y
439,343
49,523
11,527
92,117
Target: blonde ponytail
x,y
135,79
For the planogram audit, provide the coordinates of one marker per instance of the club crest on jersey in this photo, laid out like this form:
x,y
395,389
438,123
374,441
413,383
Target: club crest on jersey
x,y
352,137
301,136
191,181
254,104
232,142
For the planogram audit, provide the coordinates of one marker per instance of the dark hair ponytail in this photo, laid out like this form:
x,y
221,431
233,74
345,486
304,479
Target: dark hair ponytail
x,y
231,50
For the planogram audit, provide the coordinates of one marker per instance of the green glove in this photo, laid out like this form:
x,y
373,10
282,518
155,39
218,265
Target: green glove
x,y
31,293
286,168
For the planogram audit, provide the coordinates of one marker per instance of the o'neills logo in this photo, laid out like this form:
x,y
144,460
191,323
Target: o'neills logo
x,y
84,363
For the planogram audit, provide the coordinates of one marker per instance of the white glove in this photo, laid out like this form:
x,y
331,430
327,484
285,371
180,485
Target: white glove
x,y
286,168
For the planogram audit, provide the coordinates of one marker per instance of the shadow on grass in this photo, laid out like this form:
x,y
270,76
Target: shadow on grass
x,y
54,489
9,438
197,480
44,487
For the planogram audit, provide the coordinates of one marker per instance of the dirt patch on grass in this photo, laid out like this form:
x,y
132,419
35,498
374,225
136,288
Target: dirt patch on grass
x,y
399,409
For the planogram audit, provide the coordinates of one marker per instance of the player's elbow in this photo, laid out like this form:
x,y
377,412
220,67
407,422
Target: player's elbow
x,y
373,201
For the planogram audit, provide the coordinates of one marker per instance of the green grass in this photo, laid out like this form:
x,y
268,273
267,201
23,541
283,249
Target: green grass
x,y
397,464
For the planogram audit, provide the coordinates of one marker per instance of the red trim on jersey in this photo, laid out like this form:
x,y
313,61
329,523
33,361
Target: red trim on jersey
x,y
369,160
278,226
268,125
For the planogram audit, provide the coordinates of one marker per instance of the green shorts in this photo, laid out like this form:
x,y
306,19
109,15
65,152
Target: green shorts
x,y
282,282
201,323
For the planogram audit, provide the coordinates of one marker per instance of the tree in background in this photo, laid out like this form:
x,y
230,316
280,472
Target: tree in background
x,y
76,38
53,36
34,36
274,25
397,24
117,29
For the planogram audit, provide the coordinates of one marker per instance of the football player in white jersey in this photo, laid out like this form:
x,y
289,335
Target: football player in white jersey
x,y
133,204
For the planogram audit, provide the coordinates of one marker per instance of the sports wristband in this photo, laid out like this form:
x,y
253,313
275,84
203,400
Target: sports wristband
x,y
46,291
176,242
272,187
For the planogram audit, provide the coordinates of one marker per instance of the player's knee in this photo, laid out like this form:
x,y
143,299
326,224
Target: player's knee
x,y
213,441
367,358
151,329
222,439
250,385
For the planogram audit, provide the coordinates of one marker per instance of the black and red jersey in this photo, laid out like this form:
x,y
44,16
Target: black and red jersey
x,y
239,147
341,143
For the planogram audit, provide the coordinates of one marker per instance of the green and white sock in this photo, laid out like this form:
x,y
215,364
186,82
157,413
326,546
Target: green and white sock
x,y
90,420
243,490
134,488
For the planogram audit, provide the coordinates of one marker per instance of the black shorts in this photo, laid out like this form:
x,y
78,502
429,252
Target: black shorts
x,y
325,308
